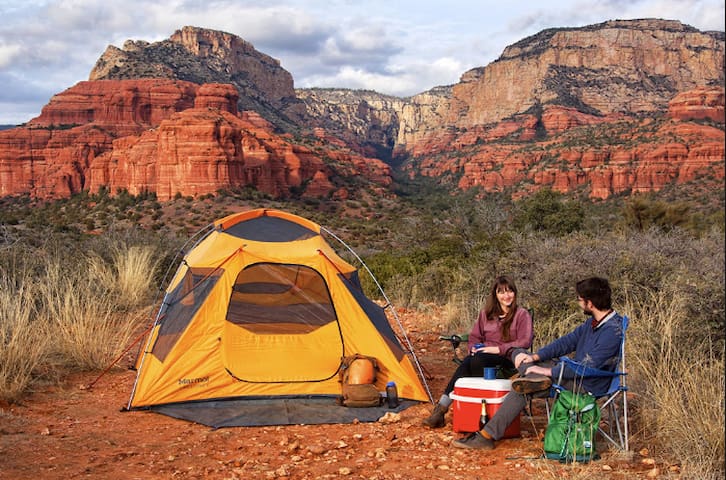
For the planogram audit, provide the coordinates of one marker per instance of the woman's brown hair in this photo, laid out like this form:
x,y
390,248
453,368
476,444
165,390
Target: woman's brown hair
x,y
492,308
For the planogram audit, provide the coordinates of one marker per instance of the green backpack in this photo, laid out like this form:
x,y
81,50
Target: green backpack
x,y
570,434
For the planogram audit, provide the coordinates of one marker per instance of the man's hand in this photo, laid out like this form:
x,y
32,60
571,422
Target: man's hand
x,y
522,358
539,370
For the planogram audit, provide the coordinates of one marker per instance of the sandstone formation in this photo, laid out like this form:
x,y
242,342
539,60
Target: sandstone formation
x,y
617,66
607,158
364,119
698,104
208,56
630,67
569,80
167,137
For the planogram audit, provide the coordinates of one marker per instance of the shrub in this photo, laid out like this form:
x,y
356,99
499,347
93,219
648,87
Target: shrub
x,y
548,211
643,212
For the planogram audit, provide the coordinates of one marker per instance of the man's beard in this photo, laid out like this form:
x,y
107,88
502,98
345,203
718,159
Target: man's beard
x,y
587,312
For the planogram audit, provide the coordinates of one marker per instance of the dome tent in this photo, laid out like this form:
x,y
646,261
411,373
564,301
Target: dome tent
x,y
255,324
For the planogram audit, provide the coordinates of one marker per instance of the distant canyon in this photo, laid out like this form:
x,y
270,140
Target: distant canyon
x,y
617,108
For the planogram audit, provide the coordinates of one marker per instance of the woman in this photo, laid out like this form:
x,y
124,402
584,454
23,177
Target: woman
x,y
501,327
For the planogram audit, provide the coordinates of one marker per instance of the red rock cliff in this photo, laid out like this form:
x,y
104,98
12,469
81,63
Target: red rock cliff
x,y
606,155
162,136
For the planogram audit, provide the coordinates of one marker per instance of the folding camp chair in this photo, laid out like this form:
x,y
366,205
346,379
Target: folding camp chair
x,y
614,402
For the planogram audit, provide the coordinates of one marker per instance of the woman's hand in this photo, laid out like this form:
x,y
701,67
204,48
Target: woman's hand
x,y
522,358
491,349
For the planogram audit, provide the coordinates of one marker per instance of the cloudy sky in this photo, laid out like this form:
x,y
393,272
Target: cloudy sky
x,y
397,47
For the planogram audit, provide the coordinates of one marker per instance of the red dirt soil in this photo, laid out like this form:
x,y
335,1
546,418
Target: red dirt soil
x,y
68,431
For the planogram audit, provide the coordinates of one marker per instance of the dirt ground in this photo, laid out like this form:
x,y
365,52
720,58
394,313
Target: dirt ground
x,y
67,431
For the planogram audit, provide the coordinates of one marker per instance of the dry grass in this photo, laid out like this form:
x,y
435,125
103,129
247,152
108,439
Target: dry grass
x,y
76,314
129,275
86,332
671,286
679,380
552,470
24,343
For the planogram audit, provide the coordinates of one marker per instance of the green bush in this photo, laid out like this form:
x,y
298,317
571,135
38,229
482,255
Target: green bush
x,y
550,212
643,212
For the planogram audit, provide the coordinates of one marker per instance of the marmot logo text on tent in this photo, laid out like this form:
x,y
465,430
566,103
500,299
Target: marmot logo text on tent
x,y
191,381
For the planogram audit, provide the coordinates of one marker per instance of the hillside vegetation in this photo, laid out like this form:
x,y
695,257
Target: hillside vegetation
x,y
80,278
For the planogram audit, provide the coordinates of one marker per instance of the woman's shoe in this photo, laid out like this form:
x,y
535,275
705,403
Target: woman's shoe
x,y
437,419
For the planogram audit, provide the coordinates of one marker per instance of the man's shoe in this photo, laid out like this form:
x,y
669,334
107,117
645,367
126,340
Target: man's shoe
x,y
531,384
474,441
437,419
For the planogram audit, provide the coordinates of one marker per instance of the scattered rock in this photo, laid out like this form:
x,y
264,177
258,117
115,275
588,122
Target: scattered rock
x,y
316,449
390,417
653,473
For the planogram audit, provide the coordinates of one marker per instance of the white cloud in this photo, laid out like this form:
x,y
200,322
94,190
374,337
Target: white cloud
x,y
366,39
8,53
399,80
356,78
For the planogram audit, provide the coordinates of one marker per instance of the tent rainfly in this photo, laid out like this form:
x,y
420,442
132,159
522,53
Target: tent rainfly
x,y
254,325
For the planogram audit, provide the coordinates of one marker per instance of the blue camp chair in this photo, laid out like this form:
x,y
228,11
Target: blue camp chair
x,y
614,402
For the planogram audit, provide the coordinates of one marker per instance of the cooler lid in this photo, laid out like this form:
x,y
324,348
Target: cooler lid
x,y
478,383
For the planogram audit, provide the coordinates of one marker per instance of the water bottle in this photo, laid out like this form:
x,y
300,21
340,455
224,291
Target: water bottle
x,y
392,394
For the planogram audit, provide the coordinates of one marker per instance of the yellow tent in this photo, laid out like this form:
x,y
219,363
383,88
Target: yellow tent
x,y
262,311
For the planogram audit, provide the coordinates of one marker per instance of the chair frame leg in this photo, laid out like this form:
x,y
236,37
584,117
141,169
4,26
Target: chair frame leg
x,y
614,422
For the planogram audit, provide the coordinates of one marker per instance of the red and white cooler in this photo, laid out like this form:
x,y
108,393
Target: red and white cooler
x,y
476,400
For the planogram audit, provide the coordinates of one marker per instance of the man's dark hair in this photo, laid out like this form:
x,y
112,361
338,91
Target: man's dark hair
x,y
597,290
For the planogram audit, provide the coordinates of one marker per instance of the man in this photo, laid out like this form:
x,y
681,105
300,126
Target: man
x,y
596,344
